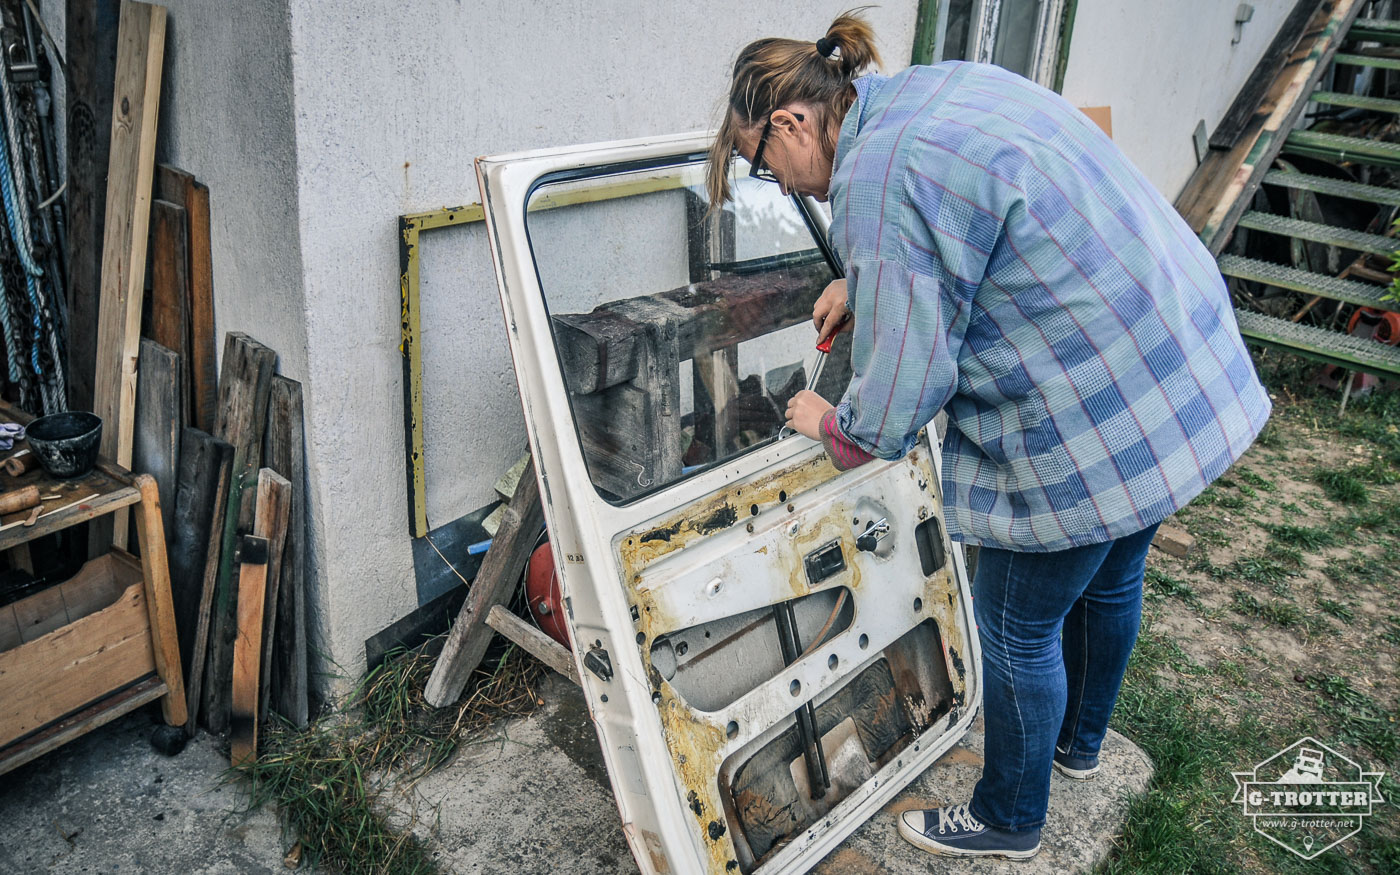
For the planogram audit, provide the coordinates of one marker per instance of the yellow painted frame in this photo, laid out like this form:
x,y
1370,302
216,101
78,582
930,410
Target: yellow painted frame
x,y
410,326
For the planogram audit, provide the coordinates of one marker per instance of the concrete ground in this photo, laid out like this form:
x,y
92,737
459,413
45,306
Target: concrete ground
x,y
526,796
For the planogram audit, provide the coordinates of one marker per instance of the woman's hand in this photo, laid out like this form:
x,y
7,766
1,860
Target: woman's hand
x,y
805,412
830,314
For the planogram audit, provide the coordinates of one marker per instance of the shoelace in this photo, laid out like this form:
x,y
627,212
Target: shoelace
x,y
959,817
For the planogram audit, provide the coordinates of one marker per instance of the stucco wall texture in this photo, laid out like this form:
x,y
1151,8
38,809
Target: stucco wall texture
x,y
1163,67
317,124
392,103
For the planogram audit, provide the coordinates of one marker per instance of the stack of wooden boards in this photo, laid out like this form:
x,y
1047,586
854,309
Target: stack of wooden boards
x,y
227,454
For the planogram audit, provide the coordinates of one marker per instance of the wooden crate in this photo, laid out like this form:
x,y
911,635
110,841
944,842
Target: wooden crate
x,y
72,646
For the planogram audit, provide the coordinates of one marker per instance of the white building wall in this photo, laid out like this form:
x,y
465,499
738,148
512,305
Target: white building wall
x,y
317,124
392,104
1163,66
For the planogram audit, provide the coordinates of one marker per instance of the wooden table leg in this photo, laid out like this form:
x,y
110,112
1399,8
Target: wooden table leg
x,y
156,572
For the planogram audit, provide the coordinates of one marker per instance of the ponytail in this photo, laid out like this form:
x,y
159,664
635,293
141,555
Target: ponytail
x,y
772,73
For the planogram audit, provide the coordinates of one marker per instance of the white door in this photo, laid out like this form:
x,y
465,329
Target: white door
x,y
761,676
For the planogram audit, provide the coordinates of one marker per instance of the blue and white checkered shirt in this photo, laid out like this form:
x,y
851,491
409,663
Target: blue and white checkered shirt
x,y
1006,262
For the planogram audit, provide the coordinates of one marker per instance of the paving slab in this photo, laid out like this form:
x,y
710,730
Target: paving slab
x,y
525,796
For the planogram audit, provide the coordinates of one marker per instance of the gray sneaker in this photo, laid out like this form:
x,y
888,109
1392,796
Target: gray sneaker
x,y
955,832
1075,768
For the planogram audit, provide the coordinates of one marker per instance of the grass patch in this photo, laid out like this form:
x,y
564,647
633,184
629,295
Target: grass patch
x,y
1358,719
1282,614
327,781
1257,482
1159,585
1337,609
1342,486
1301,537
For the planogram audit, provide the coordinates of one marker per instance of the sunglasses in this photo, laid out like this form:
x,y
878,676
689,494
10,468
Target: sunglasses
x,y
756,168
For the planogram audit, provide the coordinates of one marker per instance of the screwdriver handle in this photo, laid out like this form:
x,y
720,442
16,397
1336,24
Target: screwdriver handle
x,y
825,345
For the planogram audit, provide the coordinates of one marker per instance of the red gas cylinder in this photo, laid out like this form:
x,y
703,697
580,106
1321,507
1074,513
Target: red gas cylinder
x,y
545,597
1388,329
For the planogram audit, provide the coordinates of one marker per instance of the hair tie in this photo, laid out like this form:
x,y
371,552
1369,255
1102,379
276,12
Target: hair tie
x,y
828,49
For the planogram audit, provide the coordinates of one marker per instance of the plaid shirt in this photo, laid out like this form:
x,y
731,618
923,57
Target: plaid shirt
x,y
1006,262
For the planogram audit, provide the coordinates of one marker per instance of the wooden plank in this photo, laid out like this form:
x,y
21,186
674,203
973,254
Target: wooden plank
x,y
90,31
130,171
159,403
271,522
168,315
80,723
1228,132
500,572
177,186
201,497
155,570
533,641
244,386
74,666
1221,188
284,452
252,591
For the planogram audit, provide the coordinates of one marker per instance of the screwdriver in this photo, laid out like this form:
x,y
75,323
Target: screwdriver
x,y
823,350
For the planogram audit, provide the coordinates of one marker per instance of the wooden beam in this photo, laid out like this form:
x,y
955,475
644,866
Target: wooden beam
x,y
284,452
252,590
244,386
201,497
90,32
274,513
155,571
156,450
177,186
166,320
1221,188
500,572
533,641
130,170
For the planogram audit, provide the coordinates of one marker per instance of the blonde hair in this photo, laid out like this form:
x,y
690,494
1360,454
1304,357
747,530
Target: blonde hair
x,y
772,73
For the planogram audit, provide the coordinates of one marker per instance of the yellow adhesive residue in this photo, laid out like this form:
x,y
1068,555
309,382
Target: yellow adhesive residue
x,y
717,512
695,750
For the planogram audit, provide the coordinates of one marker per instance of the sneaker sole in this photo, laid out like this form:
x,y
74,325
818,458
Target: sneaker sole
x,y
923,842
1076,774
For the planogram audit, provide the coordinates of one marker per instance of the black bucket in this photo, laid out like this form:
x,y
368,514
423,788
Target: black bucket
x,y
65,443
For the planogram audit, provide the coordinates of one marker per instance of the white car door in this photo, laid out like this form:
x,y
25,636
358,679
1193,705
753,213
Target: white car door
x,y
770,648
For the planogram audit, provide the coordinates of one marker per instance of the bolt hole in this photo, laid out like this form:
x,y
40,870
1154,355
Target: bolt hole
x,y
918,605
707,634
782,495
732,730
832,662
863,641
682,648
753,510
795,687
656,698
603,697
641,637
791,508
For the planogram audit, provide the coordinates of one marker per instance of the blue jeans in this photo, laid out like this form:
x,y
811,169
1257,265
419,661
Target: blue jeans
x,y
1038,692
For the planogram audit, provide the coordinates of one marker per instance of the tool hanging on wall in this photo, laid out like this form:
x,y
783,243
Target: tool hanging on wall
x,y
32,316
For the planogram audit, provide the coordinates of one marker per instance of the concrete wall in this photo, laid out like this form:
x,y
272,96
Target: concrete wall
x,y
1163,66
392,104
226,116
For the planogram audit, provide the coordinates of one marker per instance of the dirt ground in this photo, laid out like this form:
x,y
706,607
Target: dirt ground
x,y
1285,617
